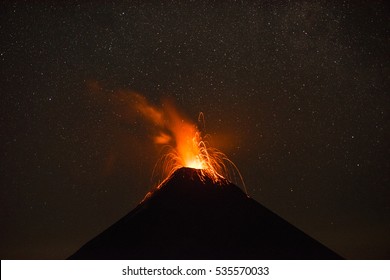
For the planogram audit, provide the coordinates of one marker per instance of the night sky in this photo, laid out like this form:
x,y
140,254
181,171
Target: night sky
x,y
295,93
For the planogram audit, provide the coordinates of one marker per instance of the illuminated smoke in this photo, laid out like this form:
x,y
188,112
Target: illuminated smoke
x,y
183,144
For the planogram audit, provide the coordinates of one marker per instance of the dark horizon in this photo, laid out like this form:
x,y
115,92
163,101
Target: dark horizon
x,y
295,94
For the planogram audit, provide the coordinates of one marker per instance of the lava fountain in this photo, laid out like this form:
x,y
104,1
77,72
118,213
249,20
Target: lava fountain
x,y
184,145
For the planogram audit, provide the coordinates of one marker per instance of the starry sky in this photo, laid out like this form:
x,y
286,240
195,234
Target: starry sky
x,y
295,93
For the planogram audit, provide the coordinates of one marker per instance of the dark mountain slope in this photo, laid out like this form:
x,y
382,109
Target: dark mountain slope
x,y
190,219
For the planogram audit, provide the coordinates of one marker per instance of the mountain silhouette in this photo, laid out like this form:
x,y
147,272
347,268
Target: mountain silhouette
x,y
191,218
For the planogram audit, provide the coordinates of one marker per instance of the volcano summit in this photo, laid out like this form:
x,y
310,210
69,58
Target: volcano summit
x,y
190,217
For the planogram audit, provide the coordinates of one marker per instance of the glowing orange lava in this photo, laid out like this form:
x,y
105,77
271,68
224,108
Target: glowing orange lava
x,y
183,145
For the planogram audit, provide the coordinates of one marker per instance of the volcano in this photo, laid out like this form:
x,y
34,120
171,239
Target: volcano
x,y
190,217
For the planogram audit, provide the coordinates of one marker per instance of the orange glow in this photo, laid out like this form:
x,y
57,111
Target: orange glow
x,y
184,145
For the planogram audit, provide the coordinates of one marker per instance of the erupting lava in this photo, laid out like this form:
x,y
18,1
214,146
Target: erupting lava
x,y
184,145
